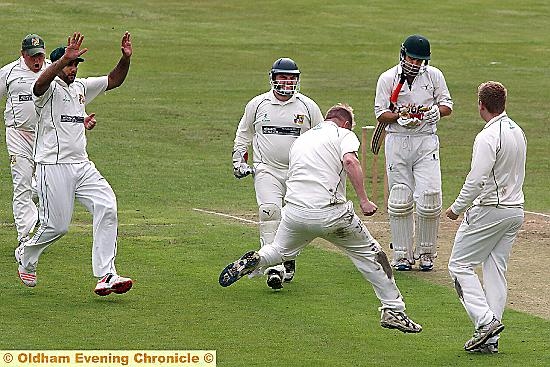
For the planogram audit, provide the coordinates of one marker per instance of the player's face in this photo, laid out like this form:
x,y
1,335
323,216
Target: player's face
x,y
411,66
285,86
286,81
413,61
68,73
33,62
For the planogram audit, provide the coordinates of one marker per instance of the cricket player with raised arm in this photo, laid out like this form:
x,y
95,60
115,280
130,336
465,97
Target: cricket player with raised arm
x,y
412,151
63,169
271,123
492,201
21,118
316,206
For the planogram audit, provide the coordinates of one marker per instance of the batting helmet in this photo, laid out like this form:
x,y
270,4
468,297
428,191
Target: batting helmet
x,y
417,47
286,66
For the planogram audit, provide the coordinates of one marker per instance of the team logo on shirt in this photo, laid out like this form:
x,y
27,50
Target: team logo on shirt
x,y
299,119
25,97
13,159
81,99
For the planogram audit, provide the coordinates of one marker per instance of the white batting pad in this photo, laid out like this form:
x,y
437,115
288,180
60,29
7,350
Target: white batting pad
x,y
400,211
270,217
428,211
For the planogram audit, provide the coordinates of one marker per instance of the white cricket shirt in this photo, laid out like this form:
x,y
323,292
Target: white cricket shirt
x,y
428,88
498,167
60,136
15,83
316,175
272,126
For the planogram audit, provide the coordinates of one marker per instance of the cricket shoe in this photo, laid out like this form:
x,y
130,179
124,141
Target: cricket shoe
x,y
486,348
483,333
290,270
27,276
426,262
113,283
402,265
275,278
391,319
239,268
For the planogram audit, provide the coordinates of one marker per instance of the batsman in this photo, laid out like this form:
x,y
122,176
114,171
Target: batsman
x,y
271,122
411,97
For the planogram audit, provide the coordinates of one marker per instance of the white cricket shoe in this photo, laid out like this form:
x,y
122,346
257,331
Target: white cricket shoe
x,y
402,265
113,283
426,262
483,333
391,319
27,276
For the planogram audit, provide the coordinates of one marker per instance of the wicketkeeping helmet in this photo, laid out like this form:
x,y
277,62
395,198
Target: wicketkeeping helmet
x,y
417,47
286,66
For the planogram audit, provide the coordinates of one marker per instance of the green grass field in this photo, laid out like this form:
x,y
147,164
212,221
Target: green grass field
x,y
164,140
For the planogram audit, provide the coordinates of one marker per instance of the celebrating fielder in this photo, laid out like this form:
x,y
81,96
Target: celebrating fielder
x,y
271,122
489,228
20,118
317,206
64,171
412,150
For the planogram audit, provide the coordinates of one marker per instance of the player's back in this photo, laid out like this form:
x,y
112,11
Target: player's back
x,y
316,177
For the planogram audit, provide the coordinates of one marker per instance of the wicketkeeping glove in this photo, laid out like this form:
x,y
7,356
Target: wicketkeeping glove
x,y
240,167
432,116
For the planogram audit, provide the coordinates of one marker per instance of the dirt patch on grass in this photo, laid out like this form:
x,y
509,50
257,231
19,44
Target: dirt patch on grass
x,y
528,289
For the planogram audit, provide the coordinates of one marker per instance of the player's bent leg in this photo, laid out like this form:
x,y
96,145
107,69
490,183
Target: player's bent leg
x,y
239,268
428,211
400,211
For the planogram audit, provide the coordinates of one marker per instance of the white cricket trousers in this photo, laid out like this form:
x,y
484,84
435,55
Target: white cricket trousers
x,y
58,185
270,185
413,160
485,237
20,148
340,225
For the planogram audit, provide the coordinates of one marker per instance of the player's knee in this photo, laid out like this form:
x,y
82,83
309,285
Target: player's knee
x,y
400,200
269,213
430,204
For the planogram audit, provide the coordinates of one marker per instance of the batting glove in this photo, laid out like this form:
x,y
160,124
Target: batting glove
x,y
409,122
432,116
240,167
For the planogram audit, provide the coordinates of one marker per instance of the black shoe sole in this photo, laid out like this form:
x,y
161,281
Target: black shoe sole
x,y
230,274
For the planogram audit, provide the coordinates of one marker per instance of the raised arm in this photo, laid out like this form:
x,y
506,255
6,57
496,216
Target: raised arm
x,y
118,74
72,52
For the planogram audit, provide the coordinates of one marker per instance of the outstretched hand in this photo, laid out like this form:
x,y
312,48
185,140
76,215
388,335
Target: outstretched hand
x,y
73,50
126,45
